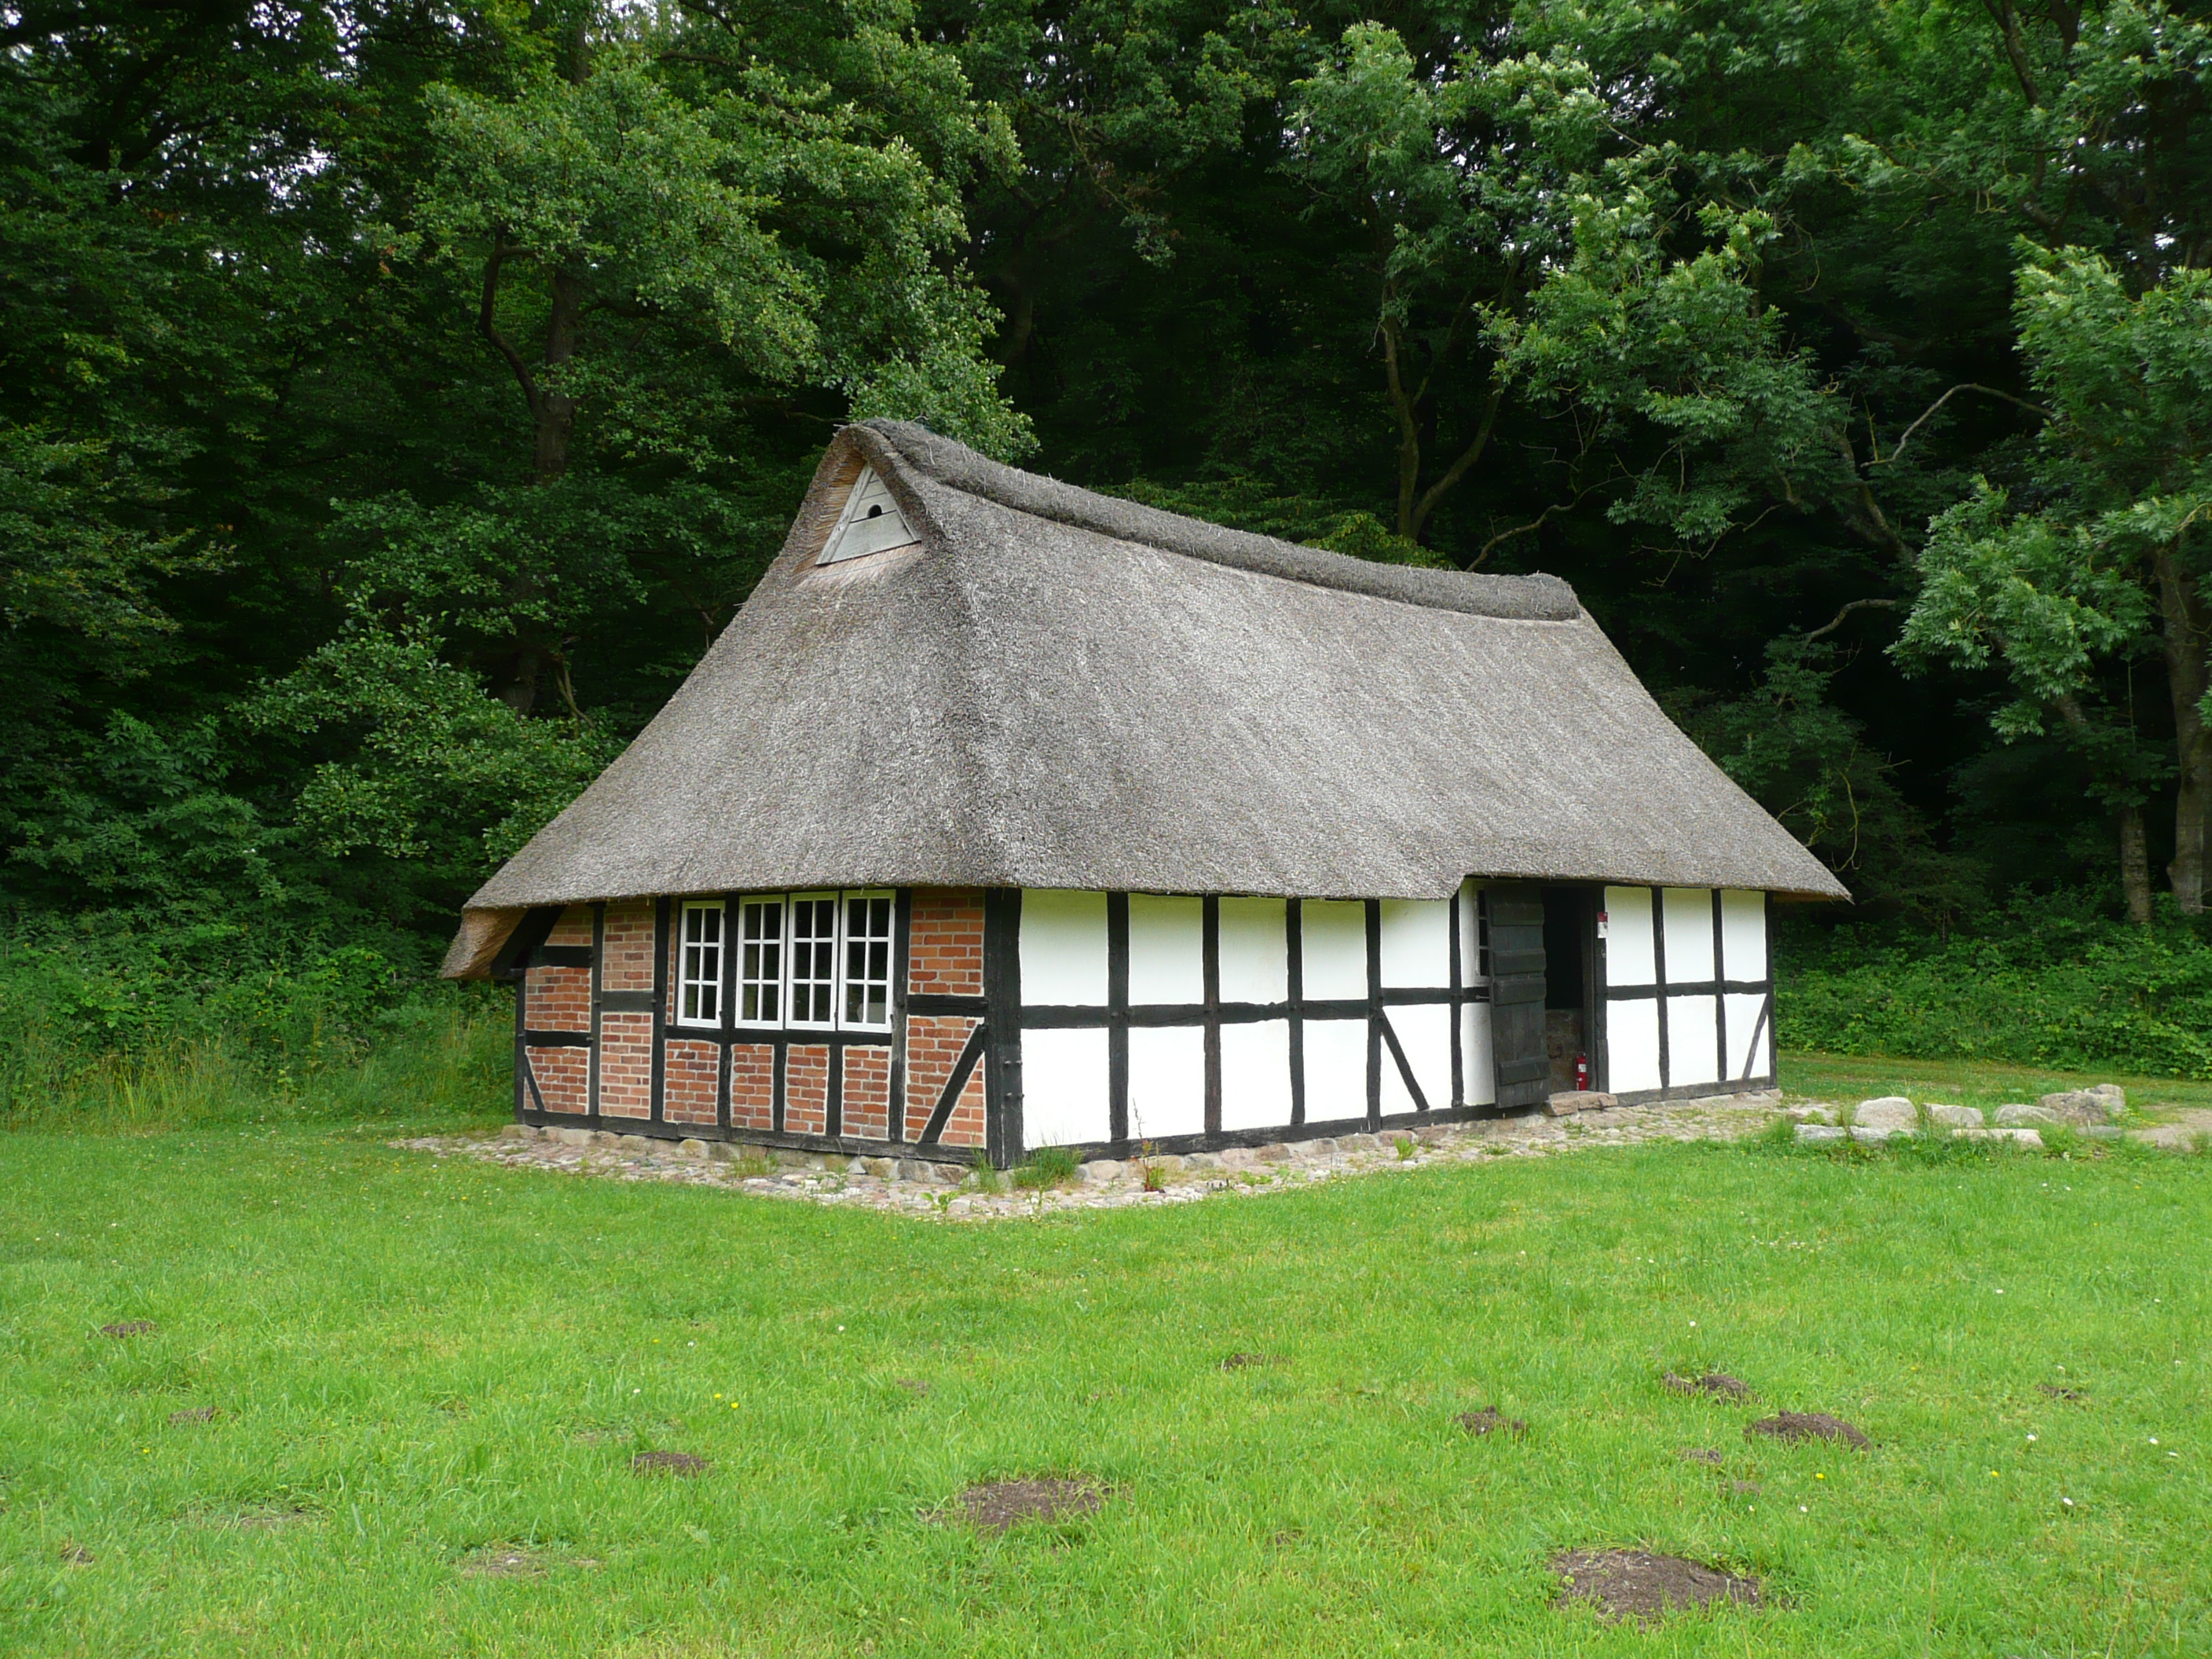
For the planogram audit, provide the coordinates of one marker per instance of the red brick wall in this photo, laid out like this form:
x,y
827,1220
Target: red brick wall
x,y
627,961
626,1065
945,954
560,999
563,1078
932,1048
752,1086
807,1089
868,1093
687,1082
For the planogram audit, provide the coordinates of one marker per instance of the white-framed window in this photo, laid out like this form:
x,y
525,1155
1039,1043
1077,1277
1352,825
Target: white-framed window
x,y
816,961
867,960
699,966
813,959
760,960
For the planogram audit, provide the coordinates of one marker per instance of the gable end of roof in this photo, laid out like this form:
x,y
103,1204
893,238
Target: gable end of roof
x,y
956,466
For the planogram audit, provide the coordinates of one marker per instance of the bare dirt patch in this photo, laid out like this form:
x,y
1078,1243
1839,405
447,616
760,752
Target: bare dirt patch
x,y
1713,1385
496,1561
129,1328
1487,1421
1237,1362
2059,1393
1624,1584
686,1464
1700,1454
912,1385
1806,1425
272,1519
76,1555
195,1414
995,1505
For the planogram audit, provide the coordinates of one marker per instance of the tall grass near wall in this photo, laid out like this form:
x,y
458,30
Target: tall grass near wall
x,y
2049,982
121,1030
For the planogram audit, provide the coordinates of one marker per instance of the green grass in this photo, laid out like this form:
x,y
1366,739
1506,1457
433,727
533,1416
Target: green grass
x,y
414,1360
445,1067
1850,1078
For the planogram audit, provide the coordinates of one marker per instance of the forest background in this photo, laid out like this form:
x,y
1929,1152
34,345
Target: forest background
x,y
398,398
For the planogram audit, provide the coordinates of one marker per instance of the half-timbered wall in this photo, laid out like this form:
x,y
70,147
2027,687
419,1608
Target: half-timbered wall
x,y
1687,989
599,1040
1158,1019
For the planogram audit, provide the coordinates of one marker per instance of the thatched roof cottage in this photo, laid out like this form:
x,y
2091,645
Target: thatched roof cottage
x,y
1006,815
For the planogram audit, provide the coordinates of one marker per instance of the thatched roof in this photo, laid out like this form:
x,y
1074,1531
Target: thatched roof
x,y
1055,688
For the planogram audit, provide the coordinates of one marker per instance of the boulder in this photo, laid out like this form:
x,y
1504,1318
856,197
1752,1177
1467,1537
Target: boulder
x,y
1100,1171
696,1150
2083,1106
2015,1115
1888,1112
1819,1134
1274,1152
1238,1158
1874,1137
516,1132
1813,1112
2027,1137
1201,1161
568,1137
884,1168
1955,1117
1568,1103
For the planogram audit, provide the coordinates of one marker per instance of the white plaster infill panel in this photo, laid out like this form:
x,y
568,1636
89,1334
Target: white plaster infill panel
x,y
1334,941
1336,1070
1692,1051
1629,959
1167,1081
1255,1075
1743,936
1474,1054
1424,1032
1631,1034
1689,912
1167,957
1063,949
1256,964
1750,1038
1065,1100
1417,943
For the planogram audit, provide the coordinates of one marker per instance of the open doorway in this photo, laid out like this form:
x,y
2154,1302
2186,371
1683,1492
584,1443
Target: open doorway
x,y
1569,926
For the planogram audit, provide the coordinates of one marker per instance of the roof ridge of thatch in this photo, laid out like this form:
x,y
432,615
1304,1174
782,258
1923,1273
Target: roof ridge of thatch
x,y
948,462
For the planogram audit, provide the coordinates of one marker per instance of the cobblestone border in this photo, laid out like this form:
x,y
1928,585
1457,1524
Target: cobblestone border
x,y
937,1191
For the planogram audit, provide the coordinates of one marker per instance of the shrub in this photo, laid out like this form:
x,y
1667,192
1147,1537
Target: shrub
x,y
2047,982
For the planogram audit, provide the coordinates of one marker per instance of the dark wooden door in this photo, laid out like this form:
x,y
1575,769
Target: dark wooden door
x,y
1516,996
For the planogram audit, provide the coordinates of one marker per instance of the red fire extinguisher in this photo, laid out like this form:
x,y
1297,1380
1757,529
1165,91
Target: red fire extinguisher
x,y
1581,1071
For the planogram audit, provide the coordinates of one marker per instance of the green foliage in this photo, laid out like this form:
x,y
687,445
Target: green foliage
x,y
2052,981
1045,1167
111,1026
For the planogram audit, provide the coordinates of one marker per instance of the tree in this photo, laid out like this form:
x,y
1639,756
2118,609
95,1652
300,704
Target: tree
x,y
2109,560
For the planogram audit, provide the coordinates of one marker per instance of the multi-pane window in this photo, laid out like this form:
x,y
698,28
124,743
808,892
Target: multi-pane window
x,y
867,959
814,959
699,968
760,962
817,960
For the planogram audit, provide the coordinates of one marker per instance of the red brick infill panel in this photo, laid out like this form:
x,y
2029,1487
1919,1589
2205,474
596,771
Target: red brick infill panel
x,y
687,1082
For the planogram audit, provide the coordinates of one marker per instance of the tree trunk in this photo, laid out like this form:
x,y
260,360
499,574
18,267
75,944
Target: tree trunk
x,y
2182,613
2135,866
556,409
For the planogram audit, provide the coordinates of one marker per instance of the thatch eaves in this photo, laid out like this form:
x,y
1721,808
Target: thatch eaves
x,y
1056,689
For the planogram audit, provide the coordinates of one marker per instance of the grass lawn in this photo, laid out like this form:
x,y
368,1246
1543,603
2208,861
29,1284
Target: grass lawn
x,y
413,1362
1986,1083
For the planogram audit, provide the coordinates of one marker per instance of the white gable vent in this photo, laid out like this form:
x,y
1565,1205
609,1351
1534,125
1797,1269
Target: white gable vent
x,y
871,522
